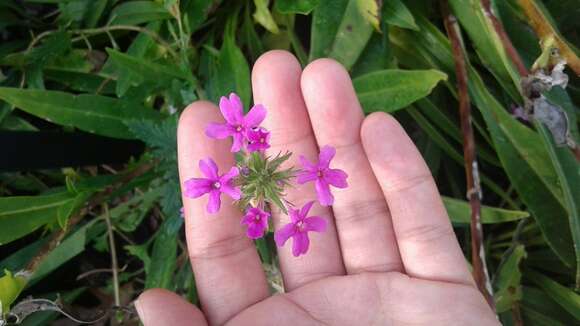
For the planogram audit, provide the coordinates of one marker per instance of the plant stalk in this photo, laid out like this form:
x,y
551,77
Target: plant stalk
x,y
474,194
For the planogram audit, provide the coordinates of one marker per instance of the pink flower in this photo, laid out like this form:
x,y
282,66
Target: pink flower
x,y
323,175
257,222
236,124
258,139
214,185
298,229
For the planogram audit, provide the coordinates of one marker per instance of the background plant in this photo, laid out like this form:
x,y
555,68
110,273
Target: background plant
x,y
99,232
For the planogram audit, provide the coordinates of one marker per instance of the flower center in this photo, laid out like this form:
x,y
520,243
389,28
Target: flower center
x,y
217,184
239,128
300,225
257,218
319,174
262,140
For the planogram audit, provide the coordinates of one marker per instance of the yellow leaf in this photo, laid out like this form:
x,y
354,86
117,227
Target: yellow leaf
x,y
370,11
10,288
264,17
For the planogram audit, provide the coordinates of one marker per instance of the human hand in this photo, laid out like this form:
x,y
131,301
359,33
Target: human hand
x,y
389,255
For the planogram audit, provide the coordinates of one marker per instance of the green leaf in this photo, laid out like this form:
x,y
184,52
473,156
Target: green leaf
x,y
568,171
303,7
391,90
567,298
138,12
10,288
460,212
340,30
21,215
162,137
196,12
487,43
507,280
164,256
396,13
541,309
264,17
127,75
93,113
145,69
230,73
69,248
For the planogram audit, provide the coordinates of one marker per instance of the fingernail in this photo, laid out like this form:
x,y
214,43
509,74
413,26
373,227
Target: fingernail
x,y
140,310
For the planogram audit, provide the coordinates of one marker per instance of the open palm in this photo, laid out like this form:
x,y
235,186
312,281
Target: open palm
x,y
389,255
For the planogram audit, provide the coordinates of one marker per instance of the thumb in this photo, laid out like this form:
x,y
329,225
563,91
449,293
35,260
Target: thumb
x,y
162,307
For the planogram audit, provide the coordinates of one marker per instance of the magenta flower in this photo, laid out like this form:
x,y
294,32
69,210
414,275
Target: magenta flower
x,y
214,185
236,124
258,139
257,221
323,175
298,229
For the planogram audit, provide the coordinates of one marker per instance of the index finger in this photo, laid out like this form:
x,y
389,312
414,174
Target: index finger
x,y
228,272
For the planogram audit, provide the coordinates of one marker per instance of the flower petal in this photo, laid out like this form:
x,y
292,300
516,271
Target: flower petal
x,y
305,209
307,165
196,187
238,107
214,202
282,235
306,176
336,177
255,230
300,244
218,130
238,142
231,191
315,223
209,168
323,191
325,156
232,173
255,116
231,109
294,215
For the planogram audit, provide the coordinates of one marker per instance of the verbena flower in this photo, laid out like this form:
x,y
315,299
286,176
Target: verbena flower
x,y
258,140
237,125
298,229
257,221
323,175
214,185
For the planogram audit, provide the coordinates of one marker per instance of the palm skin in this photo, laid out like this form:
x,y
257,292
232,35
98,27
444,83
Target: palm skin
x,y
389,256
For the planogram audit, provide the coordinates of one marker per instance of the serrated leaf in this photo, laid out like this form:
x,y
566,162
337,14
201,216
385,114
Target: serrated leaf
x,y
93,113
391,90
162,136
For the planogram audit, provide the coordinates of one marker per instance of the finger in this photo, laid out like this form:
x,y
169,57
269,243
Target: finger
x,y
361,215
426,241
161,307
276,85
227,268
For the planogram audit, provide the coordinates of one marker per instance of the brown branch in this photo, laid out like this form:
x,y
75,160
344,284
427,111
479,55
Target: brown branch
x,y
505,40
95,200
480,273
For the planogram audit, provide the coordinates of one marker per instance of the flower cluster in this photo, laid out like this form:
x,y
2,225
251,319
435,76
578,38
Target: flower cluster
x,y
257,182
